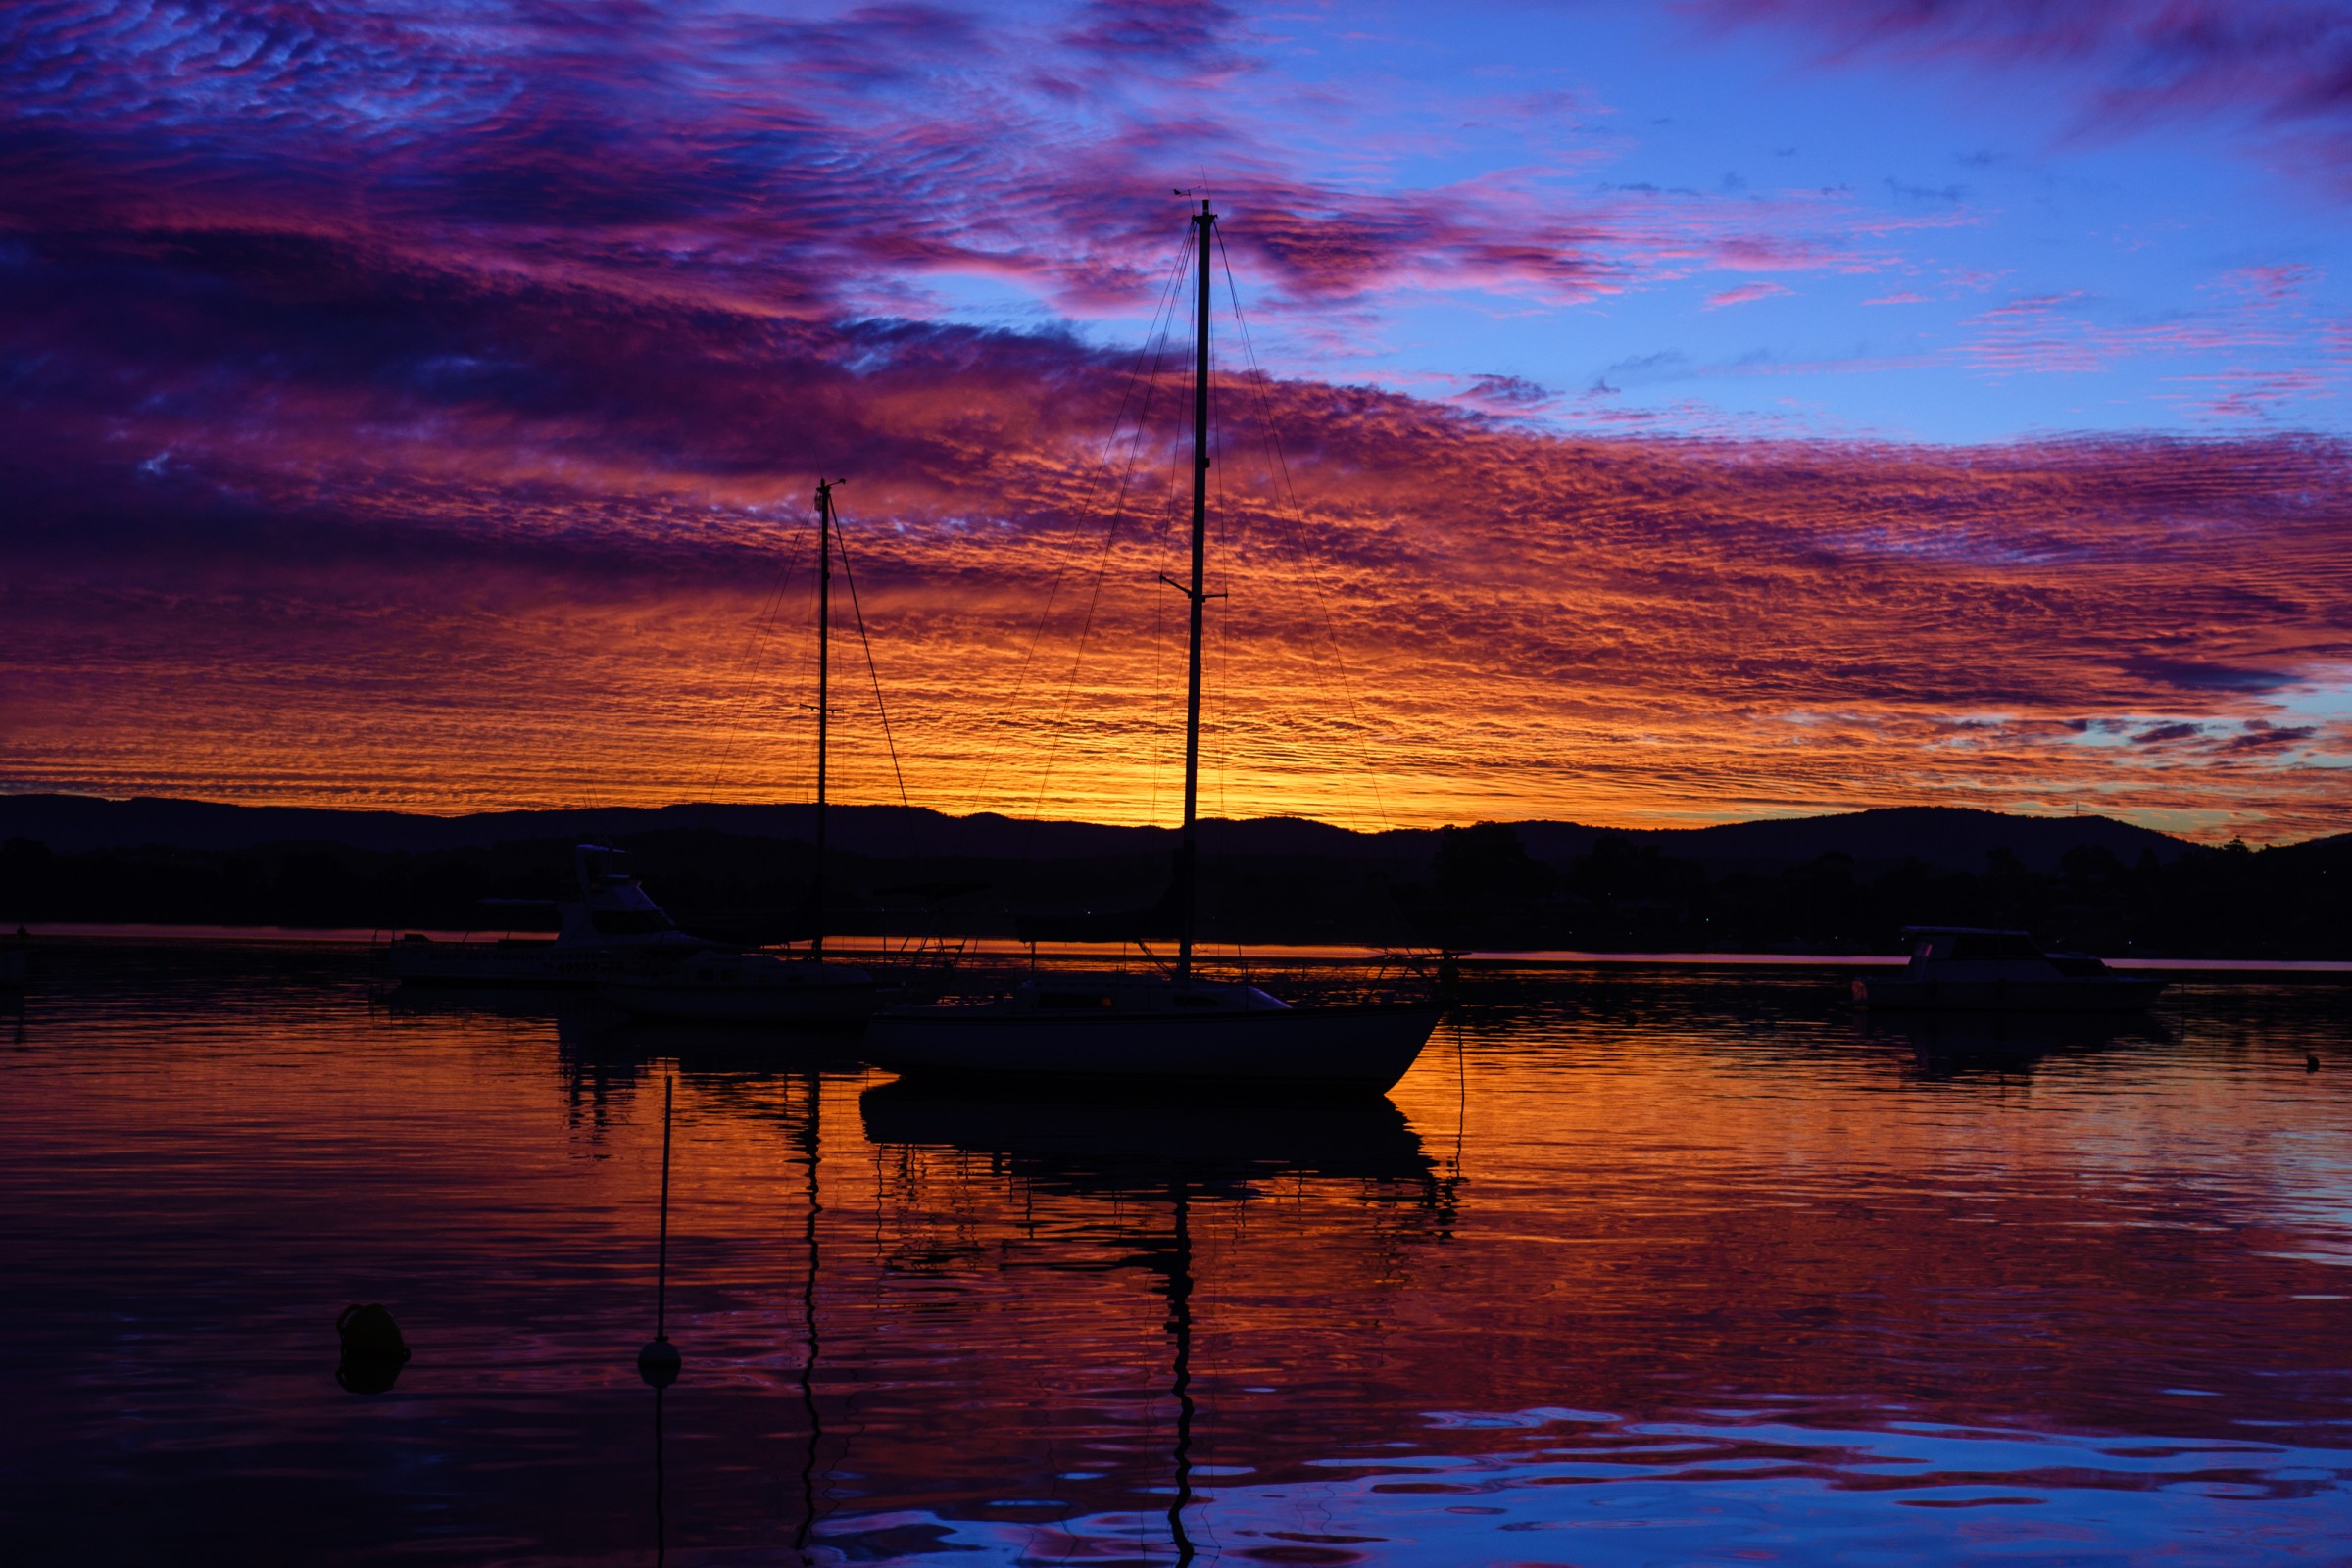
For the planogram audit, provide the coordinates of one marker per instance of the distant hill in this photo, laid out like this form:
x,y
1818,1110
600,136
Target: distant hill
x,y
1946,838
1949,838
1845,883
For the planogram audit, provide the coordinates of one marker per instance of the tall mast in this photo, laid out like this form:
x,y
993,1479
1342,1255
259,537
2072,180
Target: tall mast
x,y
824,675
1187,900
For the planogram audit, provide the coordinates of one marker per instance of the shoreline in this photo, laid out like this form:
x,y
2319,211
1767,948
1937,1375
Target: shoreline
x,y
1007,948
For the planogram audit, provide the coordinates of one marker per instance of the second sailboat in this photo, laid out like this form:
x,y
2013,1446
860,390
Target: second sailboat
x,y
721,985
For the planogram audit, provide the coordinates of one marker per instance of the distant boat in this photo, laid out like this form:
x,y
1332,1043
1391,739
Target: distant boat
x,y
718,985
1149,1028
611,921
1968,969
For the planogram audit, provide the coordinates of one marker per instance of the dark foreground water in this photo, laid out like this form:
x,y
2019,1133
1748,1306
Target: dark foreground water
x,y
1646,1270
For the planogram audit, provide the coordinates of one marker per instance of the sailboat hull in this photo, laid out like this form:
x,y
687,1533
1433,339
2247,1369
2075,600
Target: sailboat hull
x,y
1349,1050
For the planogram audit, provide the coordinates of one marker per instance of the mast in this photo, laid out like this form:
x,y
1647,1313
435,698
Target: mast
x,y
824,675
1187,900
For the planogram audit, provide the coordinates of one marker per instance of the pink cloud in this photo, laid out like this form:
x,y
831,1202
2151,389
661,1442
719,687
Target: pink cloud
x,y
1744,294
2251,310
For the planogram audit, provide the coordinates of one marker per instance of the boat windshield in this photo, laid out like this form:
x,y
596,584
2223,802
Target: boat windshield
x,y
1994,944
630,922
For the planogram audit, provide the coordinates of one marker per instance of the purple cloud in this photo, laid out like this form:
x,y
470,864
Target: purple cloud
x,y
2283,68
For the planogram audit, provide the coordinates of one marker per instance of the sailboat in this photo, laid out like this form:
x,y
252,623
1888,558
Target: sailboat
x,y
722,985
1153,1028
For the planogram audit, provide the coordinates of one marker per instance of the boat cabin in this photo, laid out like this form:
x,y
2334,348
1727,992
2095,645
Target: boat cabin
x,y
1956,950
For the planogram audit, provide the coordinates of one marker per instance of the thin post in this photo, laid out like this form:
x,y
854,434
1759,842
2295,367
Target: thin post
x,y
824,680
662,1253
812,1136
660,1487
1180,1326
658,1362
1187,852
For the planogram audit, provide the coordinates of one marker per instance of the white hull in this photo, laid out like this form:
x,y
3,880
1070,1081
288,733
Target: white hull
x,y
1366,1049
2055,995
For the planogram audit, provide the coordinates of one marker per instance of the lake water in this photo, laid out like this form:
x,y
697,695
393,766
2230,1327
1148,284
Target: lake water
x,y
1640,1267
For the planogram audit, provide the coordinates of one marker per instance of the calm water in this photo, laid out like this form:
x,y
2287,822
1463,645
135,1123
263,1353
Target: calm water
x,y
1643,1270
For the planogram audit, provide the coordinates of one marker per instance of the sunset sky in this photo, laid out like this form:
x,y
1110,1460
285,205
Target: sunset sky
x,y
1679,413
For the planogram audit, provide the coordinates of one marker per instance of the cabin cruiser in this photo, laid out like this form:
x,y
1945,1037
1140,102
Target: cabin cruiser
x,y
611,921
1127,1027
1965,968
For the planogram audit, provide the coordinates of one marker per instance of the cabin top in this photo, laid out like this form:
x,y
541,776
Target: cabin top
x,y
1938,944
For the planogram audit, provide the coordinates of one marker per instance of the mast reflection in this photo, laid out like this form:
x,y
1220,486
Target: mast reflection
x,y
1125,1149
1945,1045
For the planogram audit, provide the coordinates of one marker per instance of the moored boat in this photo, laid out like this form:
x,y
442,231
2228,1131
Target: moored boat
x,y
1172,1028
611,922
1969,969
723,986
1125,1028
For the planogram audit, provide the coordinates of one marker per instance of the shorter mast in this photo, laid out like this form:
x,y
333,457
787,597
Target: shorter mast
x,y
1187,846
824,675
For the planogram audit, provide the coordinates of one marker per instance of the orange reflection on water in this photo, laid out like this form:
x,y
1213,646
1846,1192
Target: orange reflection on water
x,y
1623,1242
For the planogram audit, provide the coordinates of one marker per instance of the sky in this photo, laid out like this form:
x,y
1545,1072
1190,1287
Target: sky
x,y
1644,415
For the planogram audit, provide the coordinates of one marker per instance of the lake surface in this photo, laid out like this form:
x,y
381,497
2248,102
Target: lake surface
x,y
1639,1268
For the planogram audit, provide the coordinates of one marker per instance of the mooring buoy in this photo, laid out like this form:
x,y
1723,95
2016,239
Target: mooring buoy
x,y
373,1352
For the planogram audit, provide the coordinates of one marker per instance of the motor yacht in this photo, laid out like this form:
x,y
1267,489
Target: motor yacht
x,y
1969,969
613,921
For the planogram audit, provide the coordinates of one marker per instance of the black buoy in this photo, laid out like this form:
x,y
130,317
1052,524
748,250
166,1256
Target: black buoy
x,y
2311,1062
373,1352
659,1363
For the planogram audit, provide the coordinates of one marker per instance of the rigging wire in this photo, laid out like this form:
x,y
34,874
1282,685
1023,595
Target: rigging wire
x,y
1093,599
747,657
1295,521
1219,689
858,613
1168,286
1170,501
1296,524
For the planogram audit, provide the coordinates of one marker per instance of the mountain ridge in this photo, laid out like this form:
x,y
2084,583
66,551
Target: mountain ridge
x,y
1953,838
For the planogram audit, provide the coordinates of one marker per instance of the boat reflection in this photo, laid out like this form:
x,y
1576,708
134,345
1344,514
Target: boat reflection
x,y
1179,1154
1951,1045
1089,1145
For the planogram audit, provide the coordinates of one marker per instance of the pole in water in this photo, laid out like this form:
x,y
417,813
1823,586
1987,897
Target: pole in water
x,y
658,1362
